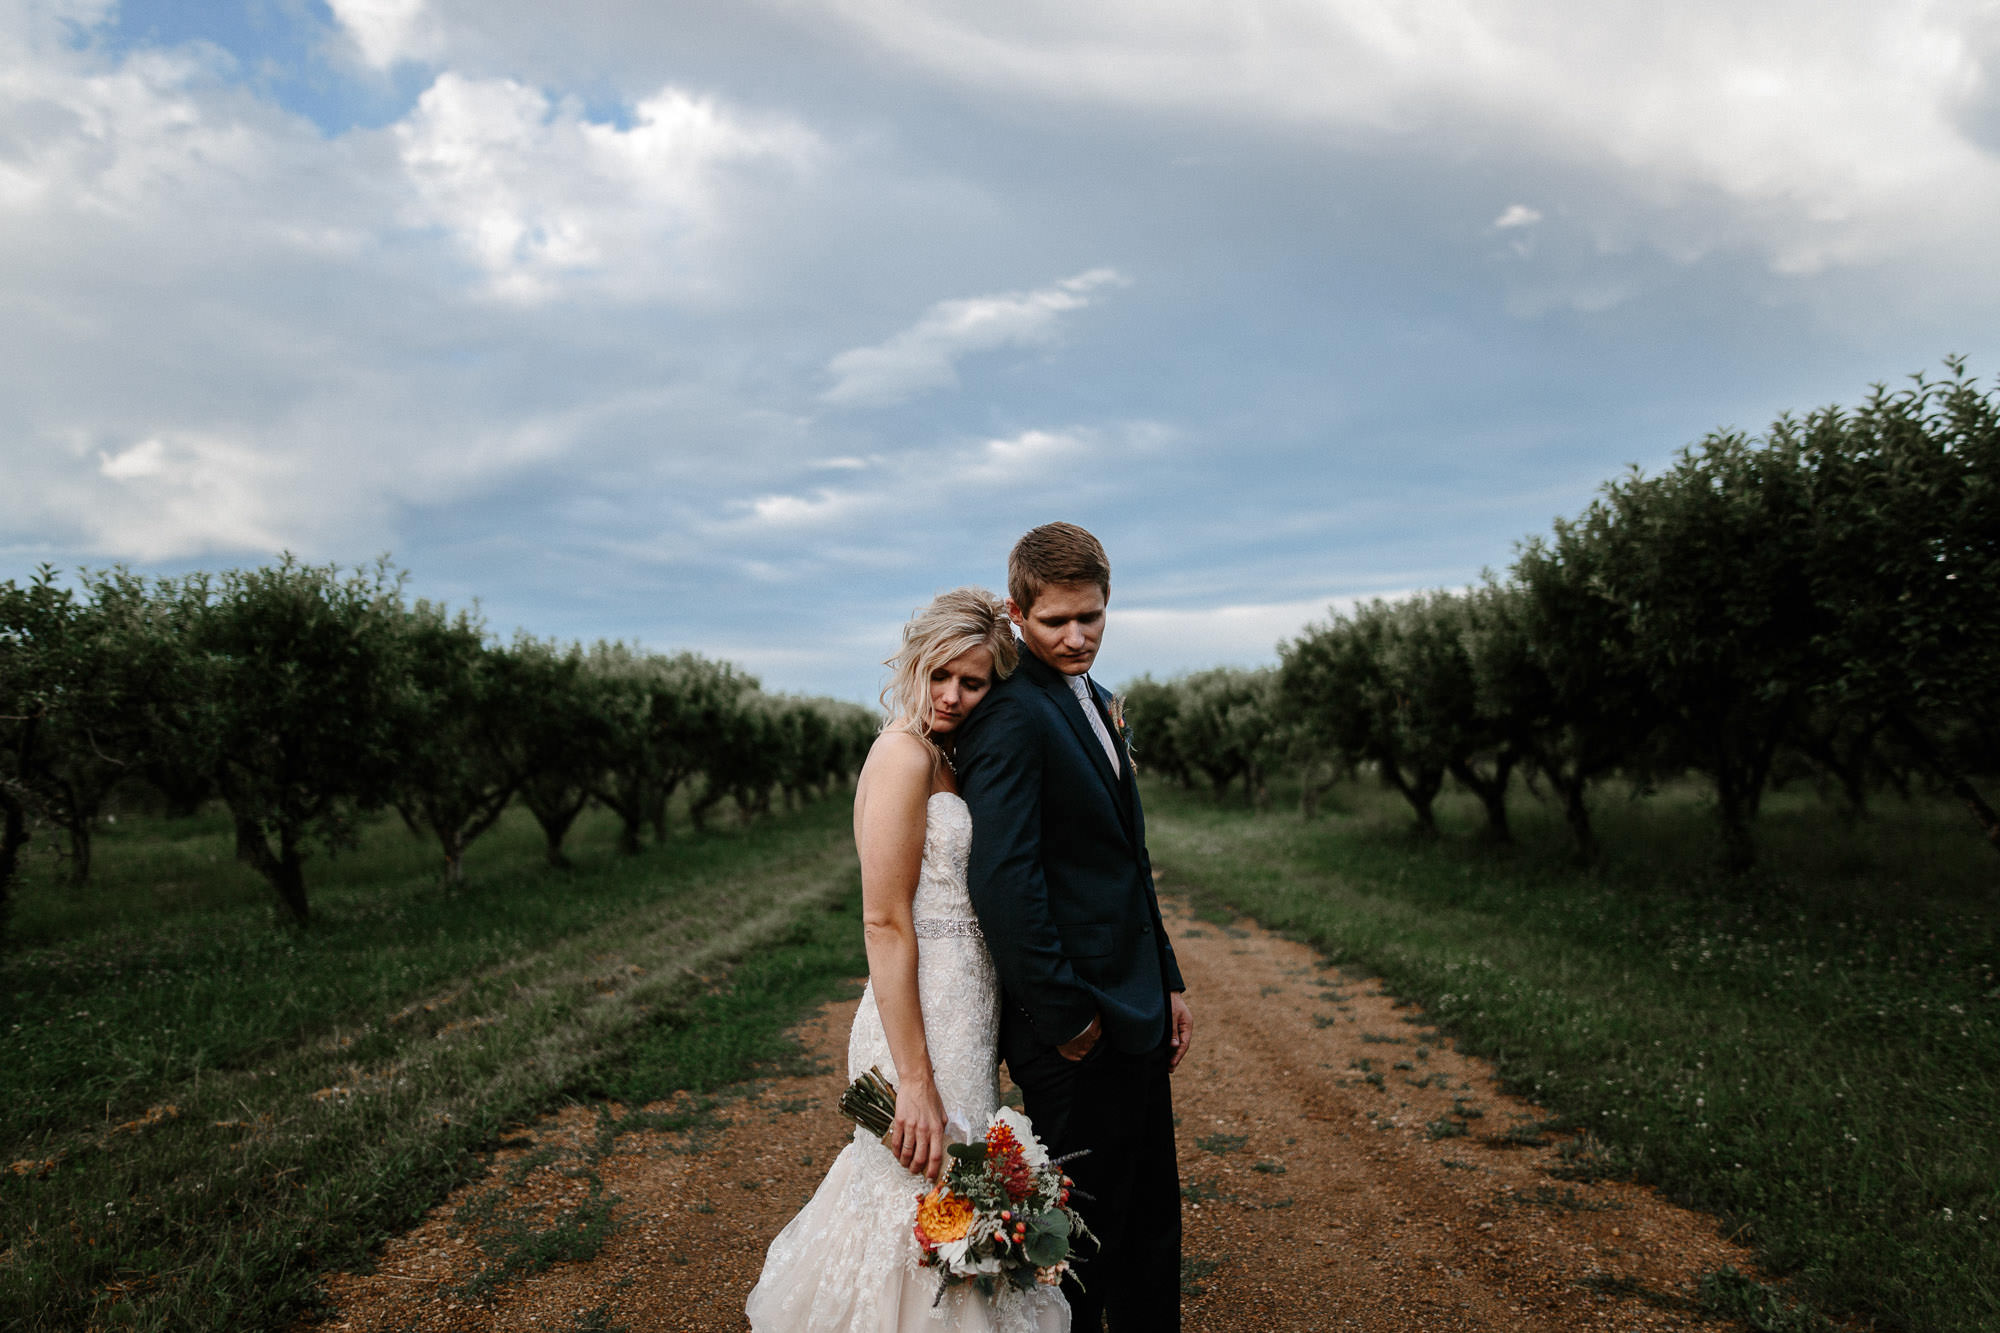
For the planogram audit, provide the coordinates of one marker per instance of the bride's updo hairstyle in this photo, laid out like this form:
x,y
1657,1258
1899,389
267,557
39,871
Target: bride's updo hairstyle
x,y
953,625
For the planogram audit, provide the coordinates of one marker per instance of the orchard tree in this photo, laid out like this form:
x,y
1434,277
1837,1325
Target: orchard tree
x,y
696,716
823,734
1152,708
79,677
1427,658
1558,659
35,621
1709,561
669,719
126,696
1223,727
562,736
747,756
1903,498
309,674
1338,677
627,682
461,761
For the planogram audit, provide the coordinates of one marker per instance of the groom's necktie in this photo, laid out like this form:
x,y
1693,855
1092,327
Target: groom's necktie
x,y
1080,687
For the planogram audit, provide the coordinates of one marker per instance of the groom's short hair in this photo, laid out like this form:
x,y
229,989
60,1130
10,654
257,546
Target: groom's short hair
x,y
1055,553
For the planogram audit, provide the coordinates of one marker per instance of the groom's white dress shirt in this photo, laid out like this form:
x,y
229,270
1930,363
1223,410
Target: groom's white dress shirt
x,y
1080,687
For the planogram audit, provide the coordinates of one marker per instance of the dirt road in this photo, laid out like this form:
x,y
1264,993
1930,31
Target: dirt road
x,y
1344,1168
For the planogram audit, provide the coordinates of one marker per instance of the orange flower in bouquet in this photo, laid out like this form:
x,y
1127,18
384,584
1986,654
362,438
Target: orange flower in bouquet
x,y
942,1216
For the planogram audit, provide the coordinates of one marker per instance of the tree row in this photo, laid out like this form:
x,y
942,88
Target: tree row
x,y
303,698
1818,598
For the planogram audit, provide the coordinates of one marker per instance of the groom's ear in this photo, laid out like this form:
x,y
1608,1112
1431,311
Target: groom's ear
x,y
1015,613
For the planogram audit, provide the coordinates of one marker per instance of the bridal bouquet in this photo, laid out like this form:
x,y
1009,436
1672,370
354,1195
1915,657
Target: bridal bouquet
x,y
1001,1212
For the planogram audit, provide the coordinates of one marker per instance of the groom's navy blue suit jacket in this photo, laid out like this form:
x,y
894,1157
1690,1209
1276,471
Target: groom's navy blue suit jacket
x,y
1059,874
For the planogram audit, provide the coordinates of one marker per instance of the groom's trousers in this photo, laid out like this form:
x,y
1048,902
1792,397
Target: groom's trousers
x,y
1120,1108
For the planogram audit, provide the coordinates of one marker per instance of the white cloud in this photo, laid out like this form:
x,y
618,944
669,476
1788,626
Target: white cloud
x,y
925,355
1079,463
387,31
186,494
148,458
1517,215
229,332
541,197
1029,458
1828,131
31,23
1170,640
818,508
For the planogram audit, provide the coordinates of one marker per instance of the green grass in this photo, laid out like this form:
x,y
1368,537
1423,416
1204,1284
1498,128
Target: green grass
x,y
294,1096
1812,1053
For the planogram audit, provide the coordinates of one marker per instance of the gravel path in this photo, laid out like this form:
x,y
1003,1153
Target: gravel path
x,y
1344,1167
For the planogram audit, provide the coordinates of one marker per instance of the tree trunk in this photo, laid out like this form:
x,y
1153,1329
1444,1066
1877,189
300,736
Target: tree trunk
x,y
453,842
657,816
1853,804
1989,823
699,807
285,872
462,828
628,800
291,881
1492,793
1852,768
556,820
1494,798
1743,756
556,809
1739,846
1420,789
183,804
78,829
1576,813
13,837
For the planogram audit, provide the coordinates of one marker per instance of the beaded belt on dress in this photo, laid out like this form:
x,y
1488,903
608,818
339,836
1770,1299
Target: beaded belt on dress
x,y
947,927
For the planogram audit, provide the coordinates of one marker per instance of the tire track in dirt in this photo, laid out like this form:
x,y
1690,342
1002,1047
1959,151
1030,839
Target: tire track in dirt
x,y
1344,1168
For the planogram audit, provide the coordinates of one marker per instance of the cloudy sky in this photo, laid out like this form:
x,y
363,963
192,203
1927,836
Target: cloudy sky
x,y
746,325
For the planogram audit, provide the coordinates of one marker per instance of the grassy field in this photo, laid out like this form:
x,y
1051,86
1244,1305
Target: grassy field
x,y
206,1108
1813,1053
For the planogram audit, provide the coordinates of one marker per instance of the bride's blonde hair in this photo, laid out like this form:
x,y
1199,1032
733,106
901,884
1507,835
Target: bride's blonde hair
x,y
953,624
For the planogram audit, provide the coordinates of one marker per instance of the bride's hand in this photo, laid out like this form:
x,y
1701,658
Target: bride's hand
x,y
917,1134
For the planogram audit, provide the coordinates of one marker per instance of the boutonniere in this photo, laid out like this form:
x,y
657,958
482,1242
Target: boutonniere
x,y
1116,708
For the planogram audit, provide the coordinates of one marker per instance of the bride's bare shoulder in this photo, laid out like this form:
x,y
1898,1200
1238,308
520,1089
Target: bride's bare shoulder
x,y
896,759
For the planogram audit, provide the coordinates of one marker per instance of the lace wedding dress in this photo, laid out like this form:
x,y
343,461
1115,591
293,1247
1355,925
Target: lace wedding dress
x,y
848,1262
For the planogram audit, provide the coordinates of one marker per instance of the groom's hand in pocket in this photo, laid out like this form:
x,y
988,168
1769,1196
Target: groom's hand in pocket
x,y
1180,1028
1079,1046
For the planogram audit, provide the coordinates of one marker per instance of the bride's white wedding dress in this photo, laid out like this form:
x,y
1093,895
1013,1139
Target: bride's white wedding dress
x,y
848,1262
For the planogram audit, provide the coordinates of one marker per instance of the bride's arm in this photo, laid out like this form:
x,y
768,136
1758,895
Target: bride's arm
x,y
889,834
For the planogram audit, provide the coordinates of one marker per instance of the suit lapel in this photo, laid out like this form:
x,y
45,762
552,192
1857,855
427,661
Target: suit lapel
x,y
1068,706
1128,775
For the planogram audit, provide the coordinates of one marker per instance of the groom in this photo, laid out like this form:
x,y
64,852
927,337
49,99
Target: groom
x,y
1092,1020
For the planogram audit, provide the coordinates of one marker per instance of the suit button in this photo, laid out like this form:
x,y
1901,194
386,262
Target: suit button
x,y
1145,930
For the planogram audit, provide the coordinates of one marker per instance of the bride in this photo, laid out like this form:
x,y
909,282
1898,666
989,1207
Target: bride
x,y
929,1017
